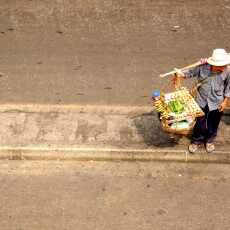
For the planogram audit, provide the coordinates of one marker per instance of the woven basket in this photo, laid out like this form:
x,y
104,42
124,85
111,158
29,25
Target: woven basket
x,y
167,128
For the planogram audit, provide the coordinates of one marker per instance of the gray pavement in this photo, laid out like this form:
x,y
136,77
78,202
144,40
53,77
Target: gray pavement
x,y
105,195
102,52
100,60
96,132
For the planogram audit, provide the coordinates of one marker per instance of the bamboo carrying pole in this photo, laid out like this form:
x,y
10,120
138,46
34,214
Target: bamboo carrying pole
x,y
182,69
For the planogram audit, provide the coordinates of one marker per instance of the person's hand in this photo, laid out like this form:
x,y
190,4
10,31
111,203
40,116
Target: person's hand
x,y
174,79
178,72
204,61
223,106
177,76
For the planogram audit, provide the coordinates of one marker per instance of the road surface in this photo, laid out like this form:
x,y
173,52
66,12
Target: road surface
x,y
113,195
102,52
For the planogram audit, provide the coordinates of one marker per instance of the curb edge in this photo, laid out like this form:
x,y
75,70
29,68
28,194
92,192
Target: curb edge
x,y
86,154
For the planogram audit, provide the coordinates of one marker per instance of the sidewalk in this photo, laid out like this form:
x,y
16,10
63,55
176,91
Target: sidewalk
x,y
96,133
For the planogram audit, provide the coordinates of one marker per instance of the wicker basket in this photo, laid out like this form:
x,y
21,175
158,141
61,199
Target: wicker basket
x,y
185,131
167,122
181,131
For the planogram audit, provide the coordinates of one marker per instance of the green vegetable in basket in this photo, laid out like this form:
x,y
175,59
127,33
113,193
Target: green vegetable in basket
x,y
176,106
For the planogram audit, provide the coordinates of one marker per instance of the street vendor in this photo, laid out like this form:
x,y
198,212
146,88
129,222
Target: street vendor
x,y
213,96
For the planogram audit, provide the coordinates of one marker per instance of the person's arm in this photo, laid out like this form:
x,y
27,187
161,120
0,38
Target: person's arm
x,y
185,74
194,72
226,100
224,104
190,72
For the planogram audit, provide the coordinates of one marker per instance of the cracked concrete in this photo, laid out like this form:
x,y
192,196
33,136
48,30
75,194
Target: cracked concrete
x,y
117,127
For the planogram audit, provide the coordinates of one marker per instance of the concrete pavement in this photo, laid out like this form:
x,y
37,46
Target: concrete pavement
x,y
102,52
69,195
96,133
99,53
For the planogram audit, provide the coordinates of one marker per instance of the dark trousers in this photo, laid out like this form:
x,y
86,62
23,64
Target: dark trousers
x,y
205,129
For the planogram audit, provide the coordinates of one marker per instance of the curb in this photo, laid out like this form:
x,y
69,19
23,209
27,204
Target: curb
x,y
69,130
107,109
103,154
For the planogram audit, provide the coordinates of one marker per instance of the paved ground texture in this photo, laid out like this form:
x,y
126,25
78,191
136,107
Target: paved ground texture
x,y
99,52
102,51
76,128
101,195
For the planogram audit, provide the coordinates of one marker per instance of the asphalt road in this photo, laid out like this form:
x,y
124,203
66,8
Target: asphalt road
x,y
102,52
119,195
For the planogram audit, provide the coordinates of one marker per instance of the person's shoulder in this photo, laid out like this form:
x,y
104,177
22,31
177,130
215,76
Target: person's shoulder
x,y
228,70
205,68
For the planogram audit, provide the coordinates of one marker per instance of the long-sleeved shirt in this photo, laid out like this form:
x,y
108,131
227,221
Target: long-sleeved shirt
x,y
215,86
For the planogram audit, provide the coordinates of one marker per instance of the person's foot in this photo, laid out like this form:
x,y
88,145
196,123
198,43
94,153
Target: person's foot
x,y
192,148
210,147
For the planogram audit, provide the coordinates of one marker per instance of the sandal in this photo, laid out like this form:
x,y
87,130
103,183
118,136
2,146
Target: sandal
x,y
210,147
192,148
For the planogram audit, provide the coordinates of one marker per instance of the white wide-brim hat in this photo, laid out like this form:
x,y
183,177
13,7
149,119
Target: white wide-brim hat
x,y
219,58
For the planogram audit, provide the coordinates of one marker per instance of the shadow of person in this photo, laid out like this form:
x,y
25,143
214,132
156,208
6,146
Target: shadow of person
x,y
149,127
226,116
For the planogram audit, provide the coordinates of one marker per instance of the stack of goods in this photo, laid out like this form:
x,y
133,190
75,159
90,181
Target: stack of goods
x,y
178,111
